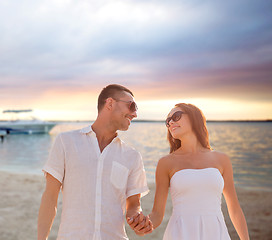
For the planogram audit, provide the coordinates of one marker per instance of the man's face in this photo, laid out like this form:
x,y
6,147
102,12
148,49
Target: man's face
x,y
123,111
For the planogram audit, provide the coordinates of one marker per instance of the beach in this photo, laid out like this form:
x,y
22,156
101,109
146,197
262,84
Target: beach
x,y
20,196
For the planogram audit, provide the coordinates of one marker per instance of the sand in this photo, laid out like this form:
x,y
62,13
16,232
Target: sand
x,y
20,197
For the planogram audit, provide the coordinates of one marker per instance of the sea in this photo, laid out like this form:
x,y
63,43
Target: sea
x,y
248,144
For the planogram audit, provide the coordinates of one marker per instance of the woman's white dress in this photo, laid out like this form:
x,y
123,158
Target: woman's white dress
x,y
196,197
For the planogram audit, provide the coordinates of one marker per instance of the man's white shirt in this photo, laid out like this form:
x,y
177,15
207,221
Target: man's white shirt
x,y
95,185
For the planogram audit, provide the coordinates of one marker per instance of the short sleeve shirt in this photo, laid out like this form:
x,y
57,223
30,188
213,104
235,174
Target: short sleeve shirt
x,y
95,185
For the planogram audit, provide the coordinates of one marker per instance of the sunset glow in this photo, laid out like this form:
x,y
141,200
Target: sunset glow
x,y
56,56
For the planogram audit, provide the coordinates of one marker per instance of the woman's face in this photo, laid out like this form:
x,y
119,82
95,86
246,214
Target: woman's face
x,y
178,127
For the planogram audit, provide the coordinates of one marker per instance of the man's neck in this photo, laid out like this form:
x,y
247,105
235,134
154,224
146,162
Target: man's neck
x,y
104,133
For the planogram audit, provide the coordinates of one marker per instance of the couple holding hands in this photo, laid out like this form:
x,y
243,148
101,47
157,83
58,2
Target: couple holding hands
x,y
102,179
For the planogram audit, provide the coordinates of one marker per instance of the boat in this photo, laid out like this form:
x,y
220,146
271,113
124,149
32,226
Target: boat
x,y
25,126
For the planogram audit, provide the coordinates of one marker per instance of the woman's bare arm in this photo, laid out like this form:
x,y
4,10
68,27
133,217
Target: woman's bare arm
x,y
162,186
235,212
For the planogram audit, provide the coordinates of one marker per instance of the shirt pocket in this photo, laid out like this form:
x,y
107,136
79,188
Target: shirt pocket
x,y
119,175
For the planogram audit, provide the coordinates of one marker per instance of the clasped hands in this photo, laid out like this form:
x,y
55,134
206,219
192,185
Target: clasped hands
x,y
140,224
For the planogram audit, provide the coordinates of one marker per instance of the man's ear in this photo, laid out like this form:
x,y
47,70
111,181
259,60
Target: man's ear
x,y
109,103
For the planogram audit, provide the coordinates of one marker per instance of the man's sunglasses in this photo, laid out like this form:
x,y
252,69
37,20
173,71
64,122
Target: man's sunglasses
x,y
175,117
132,106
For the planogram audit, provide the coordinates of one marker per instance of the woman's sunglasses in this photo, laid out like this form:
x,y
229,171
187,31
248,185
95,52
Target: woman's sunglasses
x,y
132,106
175,117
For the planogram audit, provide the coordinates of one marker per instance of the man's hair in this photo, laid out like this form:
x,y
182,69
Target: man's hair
x,y
199,127
114,91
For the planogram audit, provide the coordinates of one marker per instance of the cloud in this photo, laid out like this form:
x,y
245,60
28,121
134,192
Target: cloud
x,y
160,48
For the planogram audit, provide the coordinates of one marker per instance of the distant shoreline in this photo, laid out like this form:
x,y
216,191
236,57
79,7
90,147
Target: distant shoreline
x,y
268,120
159,121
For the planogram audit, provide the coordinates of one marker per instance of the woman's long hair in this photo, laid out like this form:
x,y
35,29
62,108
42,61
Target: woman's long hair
x,y
198,123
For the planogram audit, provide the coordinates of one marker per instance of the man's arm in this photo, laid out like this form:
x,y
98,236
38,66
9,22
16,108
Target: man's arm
x,y
157,214
133,205
48,207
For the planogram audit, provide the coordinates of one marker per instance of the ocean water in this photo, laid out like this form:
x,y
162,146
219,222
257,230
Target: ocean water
x,y
249,146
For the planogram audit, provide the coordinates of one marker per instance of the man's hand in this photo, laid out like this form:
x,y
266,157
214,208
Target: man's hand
x,y
134,220
140,224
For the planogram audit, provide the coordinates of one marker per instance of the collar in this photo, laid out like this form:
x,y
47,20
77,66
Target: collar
x,y
89,129
86,130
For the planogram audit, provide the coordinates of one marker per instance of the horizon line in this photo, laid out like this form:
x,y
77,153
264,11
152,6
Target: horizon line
x,y
155,120
151,120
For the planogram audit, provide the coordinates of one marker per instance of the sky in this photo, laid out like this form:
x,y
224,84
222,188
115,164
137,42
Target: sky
x,y
57,55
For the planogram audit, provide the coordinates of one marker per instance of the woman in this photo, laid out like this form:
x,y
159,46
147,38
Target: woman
x,y
197,176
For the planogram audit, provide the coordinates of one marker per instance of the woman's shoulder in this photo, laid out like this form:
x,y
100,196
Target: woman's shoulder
x,y
218,154
221,158
169,161
165,160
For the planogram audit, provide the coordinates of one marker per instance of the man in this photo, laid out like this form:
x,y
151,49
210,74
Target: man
x,y
100,176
